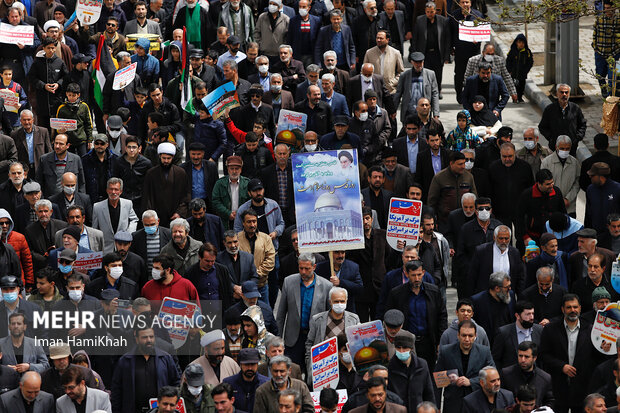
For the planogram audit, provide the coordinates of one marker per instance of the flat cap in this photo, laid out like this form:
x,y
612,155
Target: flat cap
x,y
123,236
394,318
232,40
545,238
110,294
403,340
341,120
586,233
9,281
194,375
234,161
599,168
32,186
248,356
68,255
416,56
370,93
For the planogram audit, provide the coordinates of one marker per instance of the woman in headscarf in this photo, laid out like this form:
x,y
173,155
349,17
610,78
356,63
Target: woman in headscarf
x,y
462,136
483,120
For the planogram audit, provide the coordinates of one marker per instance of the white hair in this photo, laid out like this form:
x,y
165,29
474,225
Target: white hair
x,y
501,228
178,223
329,77
335,290
533,129
42,202
330,53
484,372
367,2
468,196
563,139
149,213
307,257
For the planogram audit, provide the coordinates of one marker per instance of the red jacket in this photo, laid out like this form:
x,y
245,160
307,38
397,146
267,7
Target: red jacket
x,y
179,288
19,244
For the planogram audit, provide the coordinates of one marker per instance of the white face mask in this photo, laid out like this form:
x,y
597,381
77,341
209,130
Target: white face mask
x,y
563,154
263,68
364,116
114,134
346,358
310,148
195,391
469,165
529,145
69,190
366,78
273,8
339,308
488,58
156,274
484,216
303,12
276,88
75,295
116,272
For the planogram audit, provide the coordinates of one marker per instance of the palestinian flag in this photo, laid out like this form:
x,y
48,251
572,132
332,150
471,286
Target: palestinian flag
x,y
187,93
102,67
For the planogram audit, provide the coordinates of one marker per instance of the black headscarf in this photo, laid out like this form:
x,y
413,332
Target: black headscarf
x,y
485,117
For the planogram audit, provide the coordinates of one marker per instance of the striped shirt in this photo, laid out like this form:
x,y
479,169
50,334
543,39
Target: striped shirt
x,y
152,249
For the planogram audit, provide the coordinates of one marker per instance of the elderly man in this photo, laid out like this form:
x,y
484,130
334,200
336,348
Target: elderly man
x,y
114,214
415,84
335,100
565,169
368,79
271,29
182,248
54,164
230,191
292,70
274,346
330,323
494,307
498,64
489,394
386,59
28,397
215,364
533,152
266,398
71,197
148,241
546,295
40,234
302,306
313,76
584,287
31,141
563,118
587,246
330,59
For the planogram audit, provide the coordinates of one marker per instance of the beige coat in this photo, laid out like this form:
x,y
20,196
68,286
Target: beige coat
x,y
392,65
270,40
228,368
566,177
264,254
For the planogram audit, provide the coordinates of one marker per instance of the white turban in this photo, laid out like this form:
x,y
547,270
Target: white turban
x,y
167,148
211,337
51,23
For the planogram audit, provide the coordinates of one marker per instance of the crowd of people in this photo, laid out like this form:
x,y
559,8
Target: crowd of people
x,y
131,176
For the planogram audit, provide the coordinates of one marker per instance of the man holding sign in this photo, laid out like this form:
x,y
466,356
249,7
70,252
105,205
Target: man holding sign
x,y
18,55
463,50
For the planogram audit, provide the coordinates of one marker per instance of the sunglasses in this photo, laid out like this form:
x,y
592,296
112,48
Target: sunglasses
x,y
484,208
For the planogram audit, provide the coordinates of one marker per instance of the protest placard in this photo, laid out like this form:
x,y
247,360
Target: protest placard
x,y
606,329
403,222
11,100
470,32
124,76
291,127
342,399
85,261
324,363
88,11
66,124
175,313
615,276
153,39
180,407
367,345
22,34
222,98
327,200
445,378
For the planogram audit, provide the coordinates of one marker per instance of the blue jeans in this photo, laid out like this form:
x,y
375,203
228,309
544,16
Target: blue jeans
x,y
264,294
604,72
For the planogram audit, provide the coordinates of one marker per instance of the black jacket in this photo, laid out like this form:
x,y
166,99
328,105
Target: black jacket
x,y
42,72
507,184
319,118
269,177
471,235
225,289
424,172
138,245
506,344
132,176
554,355
172,119
572,123
114,99
436,315
513,378
253,162
599,156
244,117
80,199
545,307
534,210
127,288
477,401
481,268
456,221
210,176
413,384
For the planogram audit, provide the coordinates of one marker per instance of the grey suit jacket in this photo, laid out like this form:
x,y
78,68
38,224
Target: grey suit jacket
x,y
131,27
46,173
403,91
95,400
506,344
34,355
41,144
128,220
247,268
95,238
289,310
11,401
318,327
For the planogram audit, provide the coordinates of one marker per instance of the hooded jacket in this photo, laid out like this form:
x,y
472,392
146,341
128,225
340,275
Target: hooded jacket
x,y
18,242
95,374
148,65
9,260
171,67
255,315
519,62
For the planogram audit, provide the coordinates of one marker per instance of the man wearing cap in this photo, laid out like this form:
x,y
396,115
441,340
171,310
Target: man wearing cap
x,y
40,235
195,392
409,374
116,135
12,303
602,197
247,380
340,136
231,191
601,154
600,299
23,266
233,44
98,167
134,266
578,261
267,394
79,74
90,238
165,187
114,214
250,296
270,221
141,372
202,70
393,321
398,178
215,364
60,356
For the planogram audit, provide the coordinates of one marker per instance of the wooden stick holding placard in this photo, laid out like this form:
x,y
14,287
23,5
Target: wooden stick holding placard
x,y
331,263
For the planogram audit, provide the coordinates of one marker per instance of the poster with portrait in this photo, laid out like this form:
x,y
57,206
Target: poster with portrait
x,y
328,200
606,329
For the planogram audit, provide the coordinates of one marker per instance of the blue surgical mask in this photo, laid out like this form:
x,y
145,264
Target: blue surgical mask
x,y
10,297
150,230
65,269
403,356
